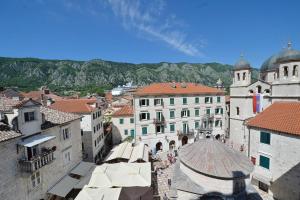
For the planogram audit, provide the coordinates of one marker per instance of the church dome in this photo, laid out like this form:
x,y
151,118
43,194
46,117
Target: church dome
x,y
242,64
286,55
214,159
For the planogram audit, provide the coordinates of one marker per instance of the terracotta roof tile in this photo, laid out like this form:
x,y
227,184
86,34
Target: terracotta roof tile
x,y
7,104
280,116
74,105
124,111
176,88
37,95
108,97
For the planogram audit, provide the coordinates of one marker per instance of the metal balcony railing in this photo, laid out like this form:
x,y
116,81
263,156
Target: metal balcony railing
x,y
38,162
188,132
159,121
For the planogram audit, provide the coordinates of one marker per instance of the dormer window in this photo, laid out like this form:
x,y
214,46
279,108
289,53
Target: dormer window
x,y
29,116
285,71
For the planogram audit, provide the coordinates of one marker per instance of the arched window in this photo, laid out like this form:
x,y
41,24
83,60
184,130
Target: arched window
x,y
258,89
244,76
295,70
285,71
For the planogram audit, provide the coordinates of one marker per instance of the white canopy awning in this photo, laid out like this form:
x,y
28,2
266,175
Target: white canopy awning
x,y
129,152
121,175
36,139
83,168
64,186
99,193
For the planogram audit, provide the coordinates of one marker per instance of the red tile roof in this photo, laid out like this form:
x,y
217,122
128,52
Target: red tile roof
x,y
108,97
280,116
74,105
180,88
37,95
124,111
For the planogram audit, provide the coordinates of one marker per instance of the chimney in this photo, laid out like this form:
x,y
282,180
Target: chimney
x,y
183,84
173,84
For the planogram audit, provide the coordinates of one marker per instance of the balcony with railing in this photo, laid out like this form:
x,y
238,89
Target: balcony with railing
x,y
205,128
44,158
208,116
159,120
189,132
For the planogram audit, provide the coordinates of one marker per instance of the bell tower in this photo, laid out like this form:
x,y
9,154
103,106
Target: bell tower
x,y
241,73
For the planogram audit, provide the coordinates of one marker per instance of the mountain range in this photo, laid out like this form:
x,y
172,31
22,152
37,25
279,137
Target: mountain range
x,y
88,76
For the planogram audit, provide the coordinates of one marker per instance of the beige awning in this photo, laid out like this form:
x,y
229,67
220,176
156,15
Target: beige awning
x,y
83,168
99,193
121,175
128,152
64,186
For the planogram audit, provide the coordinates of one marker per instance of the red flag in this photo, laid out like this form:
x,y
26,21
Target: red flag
x,y
254,103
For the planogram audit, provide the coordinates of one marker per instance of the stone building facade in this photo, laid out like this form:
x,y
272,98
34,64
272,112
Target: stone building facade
x,y
92,131
41,156
169,115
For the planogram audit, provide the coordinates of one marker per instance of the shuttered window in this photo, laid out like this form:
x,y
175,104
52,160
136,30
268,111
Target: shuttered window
x,y
265,137
172,128
184,100
264,162
196,100
144,130
171,101
172,114
197,113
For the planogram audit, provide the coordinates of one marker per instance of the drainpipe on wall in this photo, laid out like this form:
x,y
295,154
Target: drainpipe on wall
x,y
248,143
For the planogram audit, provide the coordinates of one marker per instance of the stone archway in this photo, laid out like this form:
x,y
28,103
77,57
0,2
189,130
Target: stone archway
x,y
172,145
158,146
184,140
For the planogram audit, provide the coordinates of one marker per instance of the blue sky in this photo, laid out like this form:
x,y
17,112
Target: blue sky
x,y
140,31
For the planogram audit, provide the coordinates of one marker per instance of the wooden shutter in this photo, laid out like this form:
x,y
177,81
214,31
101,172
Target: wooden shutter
x,y
148,116
147,102
188,113
222,111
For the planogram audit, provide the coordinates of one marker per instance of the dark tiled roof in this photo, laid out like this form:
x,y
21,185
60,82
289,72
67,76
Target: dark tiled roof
x,y
55,117
6,133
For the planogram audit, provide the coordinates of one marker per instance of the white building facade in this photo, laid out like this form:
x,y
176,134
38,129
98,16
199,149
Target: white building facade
x,y
169,115
279,81
91,124
44,154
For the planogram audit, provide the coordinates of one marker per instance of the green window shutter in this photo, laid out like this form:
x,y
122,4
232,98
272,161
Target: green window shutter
x,y
197,112
172,114
196,125
144,130
121,121
188,113
264,162
265,137
172,127
222,111
218,99
147,102
132,132
184,100
126,132
197,100
131,120
216,110
181,113
148,116
171,101
208,111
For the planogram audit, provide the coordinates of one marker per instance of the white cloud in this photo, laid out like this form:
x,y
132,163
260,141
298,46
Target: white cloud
x,y
148,17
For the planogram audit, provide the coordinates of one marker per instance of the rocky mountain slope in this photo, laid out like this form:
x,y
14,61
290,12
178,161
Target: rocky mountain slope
x,y
31,73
